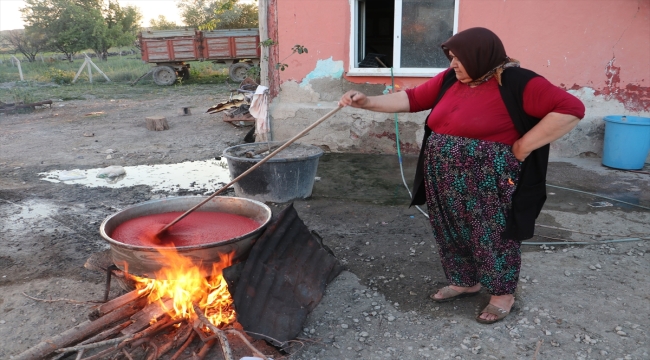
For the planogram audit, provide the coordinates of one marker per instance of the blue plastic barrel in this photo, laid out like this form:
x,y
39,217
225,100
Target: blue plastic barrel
x,y
627,141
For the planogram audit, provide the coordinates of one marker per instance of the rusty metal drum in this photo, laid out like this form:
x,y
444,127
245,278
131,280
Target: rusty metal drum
x,y
146,261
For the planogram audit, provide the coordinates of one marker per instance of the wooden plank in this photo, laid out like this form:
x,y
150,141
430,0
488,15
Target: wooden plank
x,y
167,33
218,48
247,47
180,42
230,33
183,48
156,45
184,56
159,58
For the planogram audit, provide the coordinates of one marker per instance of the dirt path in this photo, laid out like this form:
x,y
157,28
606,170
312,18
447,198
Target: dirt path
x,y
581,302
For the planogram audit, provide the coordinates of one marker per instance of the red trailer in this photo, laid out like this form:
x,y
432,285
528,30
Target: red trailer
x,y
170,49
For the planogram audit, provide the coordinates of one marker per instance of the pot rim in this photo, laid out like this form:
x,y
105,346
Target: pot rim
x,y
229,156
102,227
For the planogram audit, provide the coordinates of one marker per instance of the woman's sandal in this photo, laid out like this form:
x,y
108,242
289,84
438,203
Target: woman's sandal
x,y
449,294
494,310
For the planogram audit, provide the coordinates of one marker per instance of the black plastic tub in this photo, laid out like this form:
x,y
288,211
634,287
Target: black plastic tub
x,y
287,176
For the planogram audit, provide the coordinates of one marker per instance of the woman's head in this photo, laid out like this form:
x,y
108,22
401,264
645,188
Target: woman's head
x,y
478,50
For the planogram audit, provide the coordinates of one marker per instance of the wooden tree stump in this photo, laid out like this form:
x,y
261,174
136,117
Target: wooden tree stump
x,y
157,123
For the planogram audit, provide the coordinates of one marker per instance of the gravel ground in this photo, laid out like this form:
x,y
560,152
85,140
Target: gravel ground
x,y
573,302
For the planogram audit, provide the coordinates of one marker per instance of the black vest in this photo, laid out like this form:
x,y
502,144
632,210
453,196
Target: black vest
x,y
530,195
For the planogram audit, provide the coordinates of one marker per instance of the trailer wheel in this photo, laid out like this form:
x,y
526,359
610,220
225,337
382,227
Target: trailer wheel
x,y
164,75
239,71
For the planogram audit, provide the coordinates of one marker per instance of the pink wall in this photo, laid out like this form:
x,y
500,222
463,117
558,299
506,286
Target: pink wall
x,y
601,44
323,27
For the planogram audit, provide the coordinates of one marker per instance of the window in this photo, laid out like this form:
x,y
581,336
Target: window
x,y
403,34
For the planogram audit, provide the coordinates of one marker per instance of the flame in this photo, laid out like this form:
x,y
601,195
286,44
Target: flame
x,y
185,283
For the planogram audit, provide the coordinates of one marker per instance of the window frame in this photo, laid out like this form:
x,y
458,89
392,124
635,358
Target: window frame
x,y
397,48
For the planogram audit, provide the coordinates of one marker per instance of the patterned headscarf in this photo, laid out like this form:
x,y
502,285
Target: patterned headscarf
x,y
481,52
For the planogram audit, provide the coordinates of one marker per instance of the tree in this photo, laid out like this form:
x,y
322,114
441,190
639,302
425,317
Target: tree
x,y
75,29
218,14
27,44
68,26
162,23
195,13
233,15
71,26
119,29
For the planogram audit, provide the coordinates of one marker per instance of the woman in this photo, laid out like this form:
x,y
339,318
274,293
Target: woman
x,y
483,160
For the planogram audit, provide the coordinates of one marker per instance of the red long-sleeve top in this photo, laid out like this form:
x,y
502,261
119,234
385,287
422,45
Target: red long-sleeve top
x,y
480,113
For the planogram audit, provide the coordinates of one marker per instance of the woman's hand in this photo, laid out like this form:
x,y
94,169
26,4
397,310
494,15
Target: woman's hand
x,y
390,103
354,99
550,128
519,152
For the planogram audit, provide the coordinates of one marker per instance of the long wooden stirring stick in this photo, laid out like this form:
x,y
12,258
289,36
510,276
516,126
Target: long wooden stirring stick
x,y
269,156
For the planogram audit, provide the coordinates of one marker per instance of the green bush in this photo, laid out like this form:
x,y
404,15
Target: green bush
x,y
58,76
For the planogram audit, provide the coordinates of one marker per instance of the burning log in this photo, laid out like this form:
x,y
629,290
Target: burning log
x,y
116,303
204,350
79,332
151,312
99,337
241,336
145,335
223,340
163,314
171,341
185,345
128,340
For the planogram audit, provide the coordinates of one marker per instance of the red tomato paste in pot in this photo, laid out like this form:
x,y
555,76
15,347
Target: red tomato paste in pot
x,y
197,228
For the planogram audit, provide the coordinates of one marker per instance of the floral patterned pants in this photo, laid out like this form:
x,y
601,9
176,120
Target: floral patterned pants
x,y
469,185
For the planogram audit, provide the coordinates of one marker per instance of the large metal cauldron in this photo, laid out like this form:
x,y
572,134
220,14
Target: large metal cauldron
x,y
145,261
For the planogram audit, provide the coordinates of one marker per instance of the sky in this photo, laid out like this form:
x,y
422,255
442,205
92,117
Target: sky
x,y
10,13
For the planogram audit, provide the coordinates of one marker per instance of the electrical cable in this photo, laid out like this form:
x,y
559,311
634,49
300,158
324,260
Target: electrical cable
x,y
584,242
604,197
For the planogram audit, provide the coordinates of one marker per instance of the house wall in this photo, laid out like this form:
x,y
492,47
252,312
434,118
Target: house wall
x,y
600,53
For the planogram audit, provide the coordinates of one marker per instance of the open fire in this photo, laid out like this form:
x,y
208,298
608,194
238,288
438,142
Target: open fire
x,y
186,307
186,284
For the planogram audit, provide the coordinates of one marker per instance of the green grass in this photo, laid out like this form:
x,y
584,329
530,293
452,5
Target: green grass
x,y
52,80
